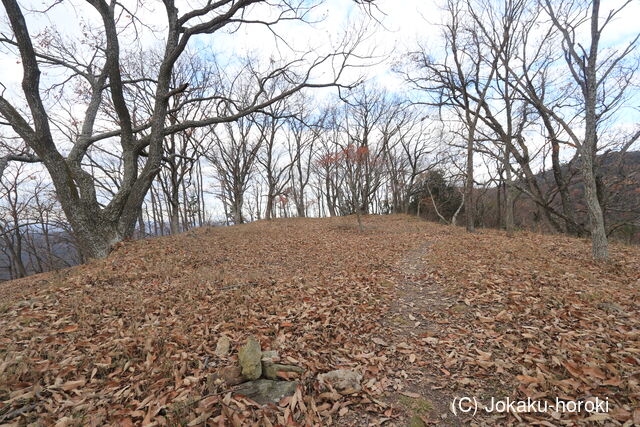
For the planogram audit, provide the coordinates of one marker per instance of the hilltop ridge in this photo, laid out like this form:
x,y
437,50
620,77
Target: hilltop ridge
x,y
425,312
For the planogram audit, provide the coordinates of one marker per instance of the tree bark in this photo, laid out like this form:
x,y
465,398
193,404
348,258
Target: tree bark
x,y
468,187
508,195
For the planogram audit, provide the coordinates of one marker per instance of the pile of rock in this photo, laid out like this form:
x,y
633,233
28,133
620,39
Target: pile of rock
x,y
265,381
261,378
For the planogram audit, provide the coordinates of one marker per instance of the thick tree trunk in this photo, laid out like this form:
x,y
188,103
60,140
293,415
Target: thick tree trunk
x,y
268,214
97,238
508,196
236,209
271,197
599,243
300,209
468,187
359,219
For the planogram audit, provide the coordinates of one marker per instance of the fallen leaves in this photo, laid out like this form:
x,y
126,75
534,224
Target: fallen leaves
x,y
410,394
70,328
544,321
132,339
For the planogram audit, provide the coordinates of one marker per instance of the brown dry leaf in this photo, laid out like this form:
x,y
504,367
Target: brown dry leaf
x,y
527,379
70,385
64,422
411,394
379,341
620,414
70,328
594,372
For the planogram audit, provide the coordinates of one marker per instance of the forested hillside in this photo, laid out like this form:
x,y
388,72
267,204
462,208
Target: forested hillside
x,y
618,177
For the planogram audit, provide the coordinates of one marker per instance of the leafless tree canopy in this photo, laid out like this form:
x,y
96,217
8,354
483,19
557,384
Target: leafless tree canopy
x,y
519,115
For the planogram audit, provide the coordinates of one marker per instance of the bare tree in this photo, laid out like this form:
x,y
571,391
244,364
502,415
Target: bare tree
x,y
596,80
271,156
304,131
458,83
233,151
14,219
99,224
33,238
330,177
369,130
407,160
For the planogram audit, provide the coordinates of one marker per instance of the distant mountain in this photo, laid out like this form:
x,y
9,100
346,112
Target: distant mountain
x,y
618,176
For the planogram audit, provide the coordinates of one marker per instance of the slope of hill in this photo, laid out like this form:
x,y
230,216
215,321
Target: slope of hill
x,y
619,177
426,313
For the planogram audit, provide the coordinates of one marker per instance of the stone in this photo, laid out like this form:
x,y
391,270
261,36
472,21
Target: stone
x,y
222,348
270,370
250,357
230,375
270,356
344,381
267,391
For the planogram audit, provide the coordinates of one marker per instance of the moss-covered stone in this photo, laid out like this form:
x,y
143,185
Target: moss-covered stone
x,y
250,356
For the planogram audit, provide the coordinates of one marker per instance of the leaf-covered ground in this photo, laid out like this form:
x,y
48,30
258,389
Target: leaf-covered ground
x,y
426,312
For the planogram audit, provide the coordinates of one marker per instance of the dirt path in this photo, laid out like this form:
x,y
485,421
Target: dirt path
x,y
423,396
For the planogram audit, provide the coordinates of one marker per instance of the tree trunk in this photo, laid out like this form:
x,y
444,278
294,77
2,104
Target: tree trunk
x,y
508,196
236,208
599,243
499,201
141,227
454,218
15,258
268,214
174,221
300,209
330,203
97,238
359,219
468,187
